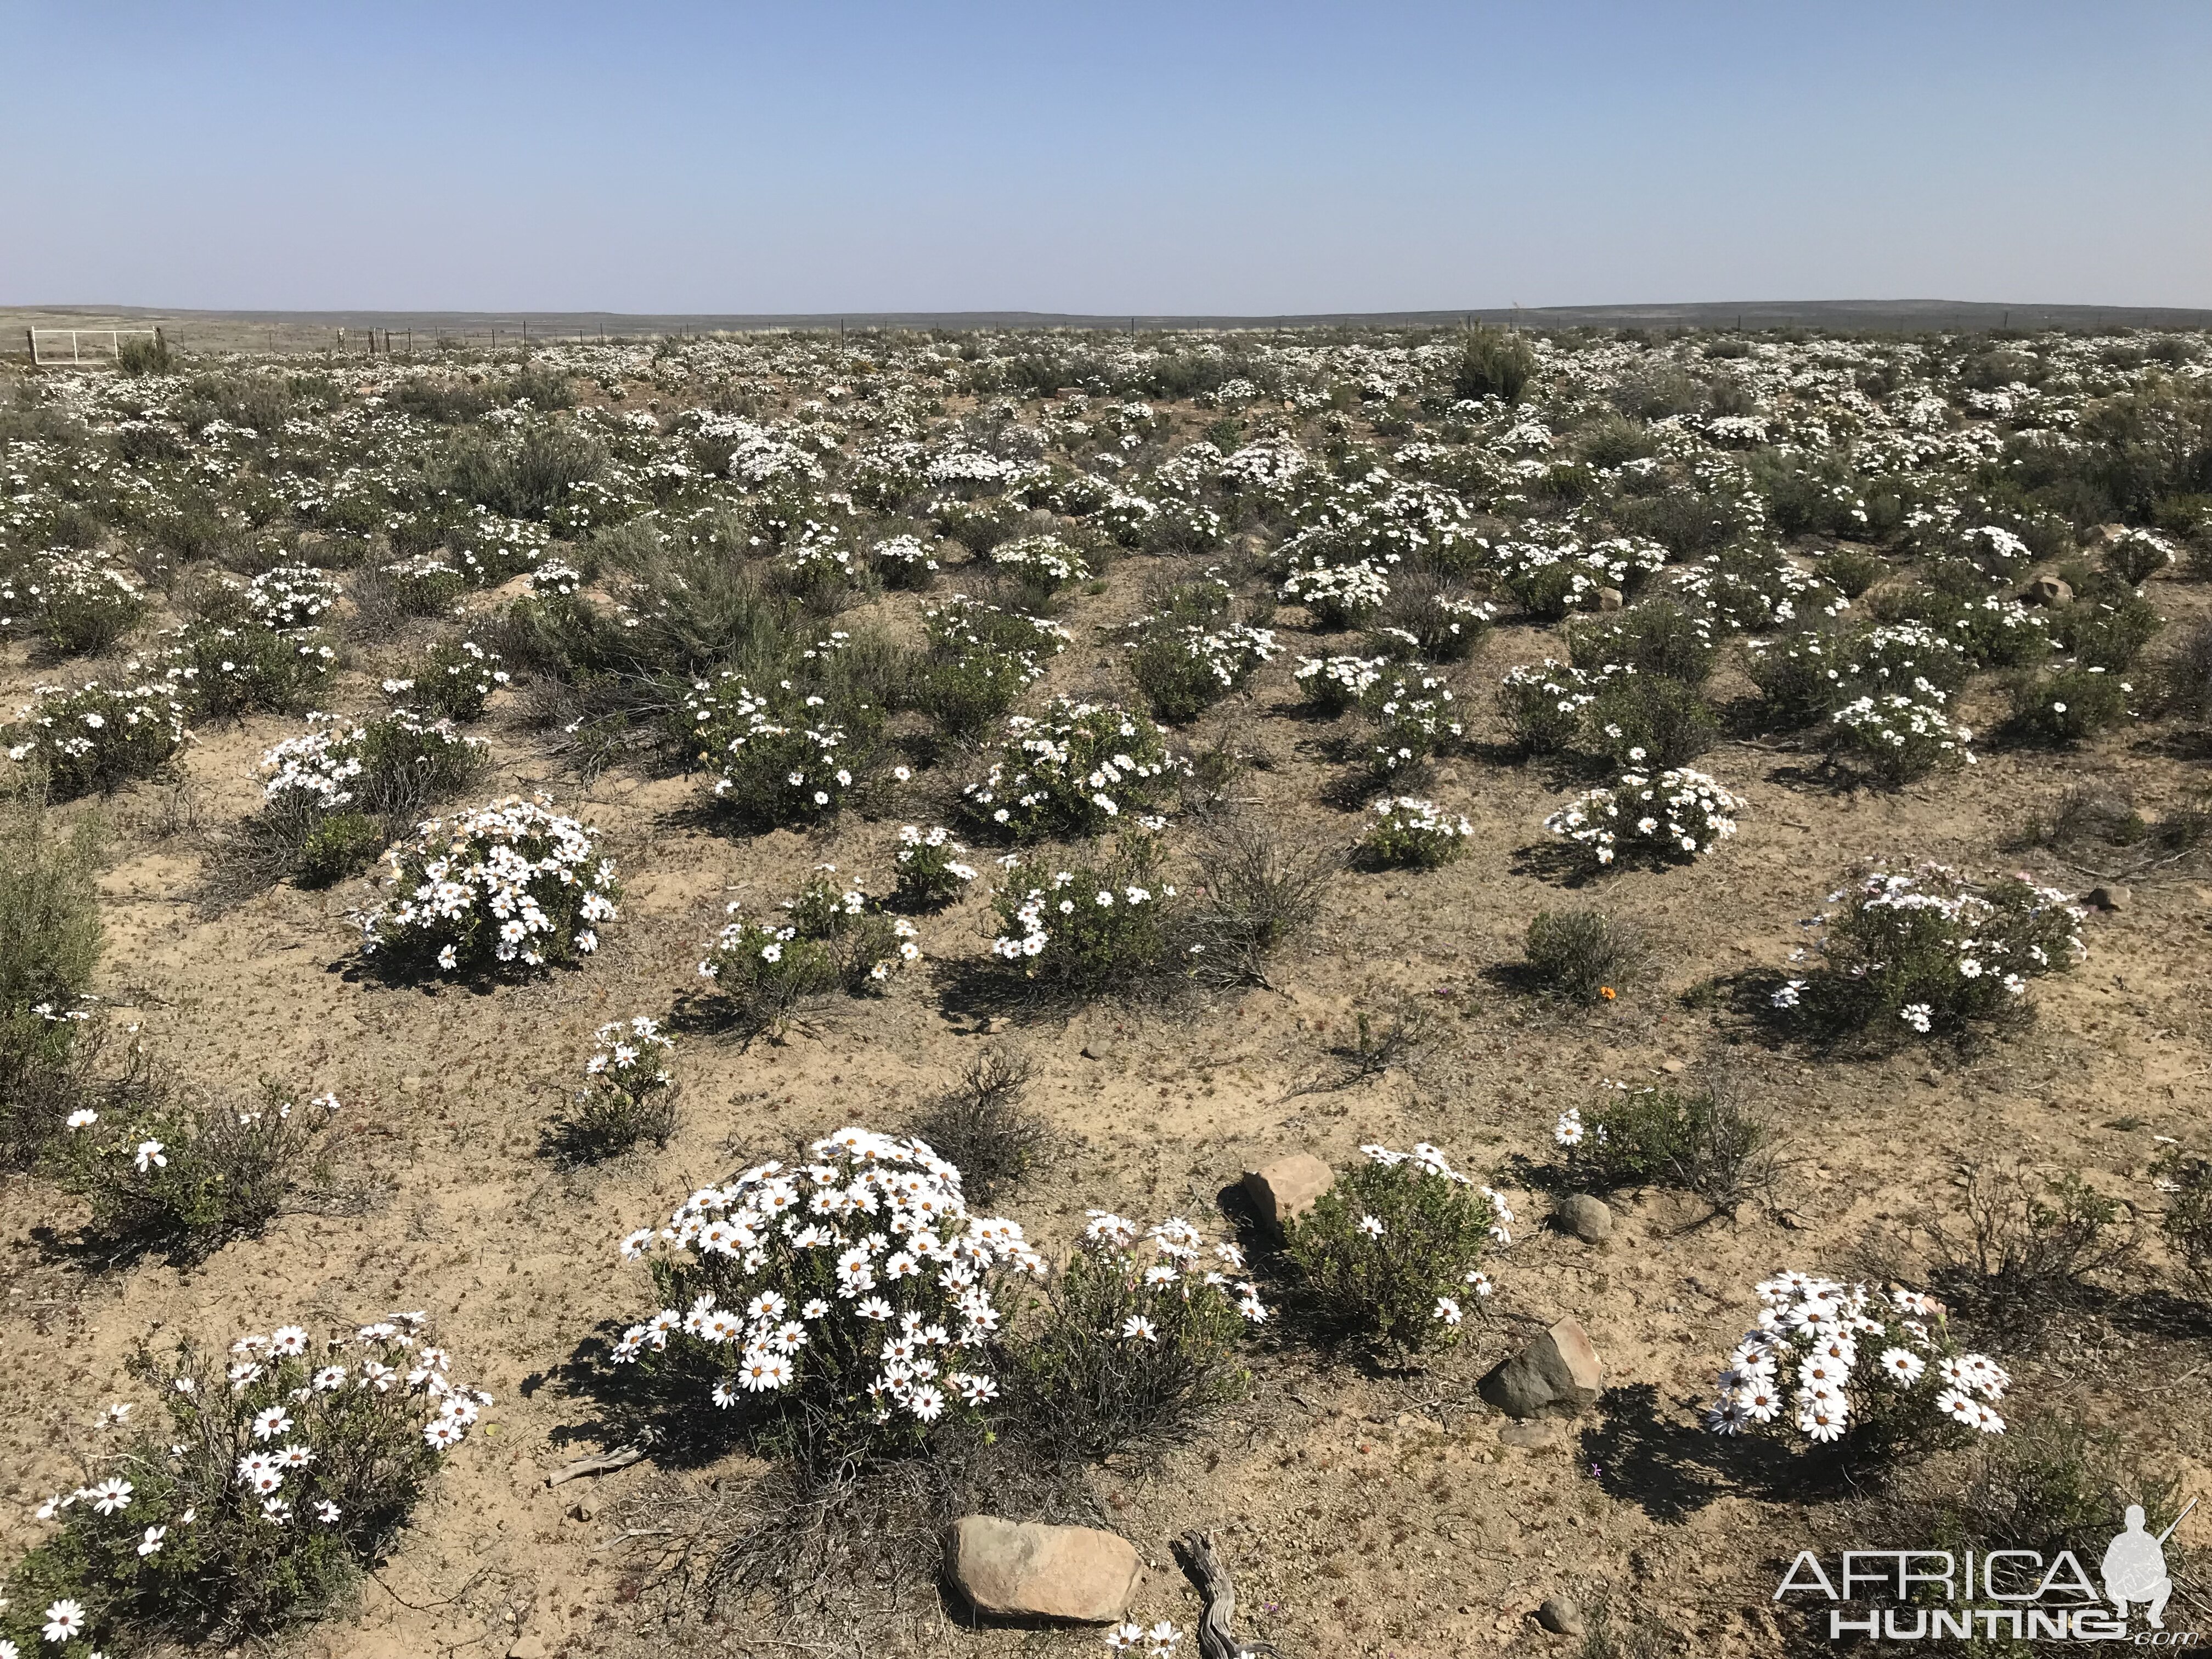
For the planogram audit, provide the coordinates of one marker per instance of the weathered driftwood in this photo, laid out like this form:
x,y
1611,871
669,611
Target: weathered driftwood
x,y
598,1463
1204,1566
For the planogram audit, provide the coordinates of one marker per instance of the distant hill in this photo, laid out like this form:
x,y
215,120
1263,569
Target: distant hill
x,y
299,329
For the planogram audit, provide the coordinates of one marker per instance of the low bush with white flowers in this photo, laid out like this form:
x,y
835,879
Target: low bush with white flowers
x,y
1674,817
1141,1339
270,1485
1393,1250
781,757
1338,596
1107,921
931,874
1416,718
628,1093
850,1305
832,936
1828,1361
72,603
1402,830
1903,735
96,737
1076,769
1332,684
510,884
1929,952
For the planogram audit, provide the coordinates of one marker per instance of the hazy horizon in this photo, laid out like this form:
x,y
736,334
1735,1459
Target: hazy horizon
x,y
1296,159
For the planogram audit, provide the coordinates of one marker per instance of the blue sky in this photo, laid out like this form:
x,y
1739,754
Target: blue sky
x,y
1149,158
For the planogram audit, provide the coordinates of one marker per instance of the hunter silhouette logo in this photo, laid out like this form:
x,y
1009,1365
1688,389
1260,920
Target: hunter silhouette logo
x,y
2017,1594
2134,1567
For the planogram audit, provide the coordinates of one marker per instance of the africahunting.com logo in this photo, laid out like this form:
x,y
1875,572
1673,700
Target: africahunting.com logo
x,y
2018,1595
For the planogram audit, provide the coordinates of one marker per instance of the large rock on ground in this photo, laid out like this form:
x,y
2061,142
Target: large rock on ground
x,y
1286,1189
1025,1569
1588,1218
1557,1374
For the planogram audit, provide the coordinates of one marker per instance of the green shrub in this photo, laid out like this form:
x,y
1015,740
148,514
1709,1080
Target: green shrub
x,y
1582,956
1137,1347
219,669
1393,1251
1692,1139
1110,921
1042,567
832,936
455,680
1852,570
1929,952
1655,636
981,1126
1903,738
96,737
2069,706
1333,684
50,945
2186,1180
1542,707
187,1178
2136,555
2024,1245
260,1499
2108,633
1436,622
140,356
1416,718
1649,720
930,872
628,1094
74,606
1413,833
339,845
1493,364
979,661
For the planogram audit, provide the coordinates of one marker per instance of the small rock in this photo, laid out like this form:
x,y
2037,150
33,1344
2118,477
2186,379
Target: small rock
x,y
1025,1569
1532,1435
529,1646
1560,1616
1793,1219
1558,1373
1586,1217
411,1085
1100,1049
584,1510
1286,1189
1671,1068
2050,590
1608,599
2108,898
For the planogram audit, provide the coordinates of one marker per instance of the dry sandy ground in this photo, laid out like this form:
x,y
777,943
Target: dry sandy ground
x,y
1365,1512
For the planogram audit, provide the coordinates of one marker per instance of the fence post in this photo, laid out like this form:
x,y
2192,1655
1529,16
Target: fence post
x,y
32,335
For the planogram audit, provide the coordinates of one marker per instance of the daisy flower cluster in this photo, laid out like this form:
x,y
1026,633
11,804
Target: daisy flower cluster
x,y
1109,916
1828,1358
511,882
930,871
1074,770
290,597
1163,1268
1336,684
1542,706
904,561
631,1056
1929,952
1042,564
1415,718
1338,596
1394,1249
323,769
94,736
833,934
1410,831
1186,667
278,1470
456,679
1905,735
1677,816
779,757
1154,1641
74,603
857,1284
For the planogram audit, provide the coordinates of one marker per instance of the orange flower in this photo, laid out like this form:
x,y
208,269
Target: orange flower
x,y
1606,991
